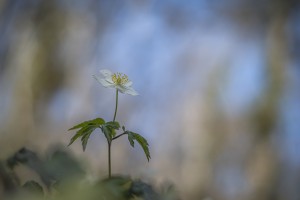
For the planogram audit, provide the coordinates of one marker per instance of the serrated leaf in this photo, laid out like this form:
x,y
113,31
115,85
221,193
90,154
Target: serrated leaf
x,y
86,129
77,135
130,138
81,132
109,129
114,125
107,133
97,121
142,141
113,132
85,138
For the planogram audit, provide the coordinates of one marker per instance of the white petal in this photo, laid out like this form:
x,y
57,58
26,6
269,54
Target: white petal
x,y
106,72
103,82
109,79
120,88
131,91
128,84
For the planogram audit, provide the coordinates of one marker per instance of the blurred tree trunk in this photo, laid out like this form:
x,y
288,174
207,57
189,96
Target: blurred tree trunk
x,y
265,161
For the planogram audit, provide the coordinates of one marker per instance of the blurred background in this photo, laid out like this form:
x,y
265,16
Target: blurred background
x,y
218,83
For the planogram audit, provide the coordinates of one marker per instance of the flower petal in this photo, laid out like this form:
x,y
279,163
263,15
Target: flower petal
x,y
120,88
106,72
130,91
128,84
109,79
103,82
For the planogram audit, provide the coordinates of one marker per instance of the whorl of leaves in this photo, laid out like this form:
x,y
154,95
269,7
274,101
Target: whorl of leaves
x,y
86,129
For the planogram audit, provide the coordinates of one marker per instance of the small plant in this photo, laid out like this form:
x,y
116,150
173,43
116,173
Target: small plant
x,y
120,83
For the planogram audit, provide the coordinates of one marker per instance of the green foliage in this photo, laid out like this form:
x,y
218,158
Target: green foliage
x,y
109,129
57,169
85,130
69,184
114,125
142,141
115,188
62,167
33,187
90,122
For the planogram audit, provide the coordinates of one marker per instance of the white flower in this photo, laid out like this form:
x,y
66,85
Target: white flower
x,y
116,80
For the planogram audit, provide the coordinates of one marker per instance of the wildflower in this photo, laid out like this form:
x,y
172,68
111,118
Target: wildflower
x,y
116,80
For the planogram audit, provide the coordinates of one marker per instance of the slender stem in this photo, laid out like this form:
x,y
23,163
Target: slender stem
x,y
119,136
109,142
109,159
116,109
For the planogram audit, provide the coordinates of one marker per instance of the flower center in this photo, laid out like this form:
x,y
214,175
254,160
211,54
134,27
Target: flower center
x,y
119,78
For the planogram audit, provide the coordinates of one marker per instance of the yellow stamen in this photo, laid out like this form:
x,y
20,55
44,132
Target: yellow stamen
x,y
119,78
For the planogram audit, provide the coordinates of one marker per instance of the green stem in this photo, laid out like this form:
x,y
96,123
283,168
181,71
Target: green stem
x,y
116,109
109,159
119,136
109,142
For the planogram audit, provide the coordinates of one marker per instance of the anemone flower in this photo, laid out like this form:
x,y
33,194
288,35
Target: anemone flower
x,y
118,81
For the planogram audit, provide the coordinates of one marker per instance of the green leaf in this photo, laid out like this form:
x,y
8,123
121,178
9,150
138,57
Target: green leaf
x,y
109,129
130,138
86,129
114,125
142,141
81,132
85,137
84,133
97,121
77,135
107,133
